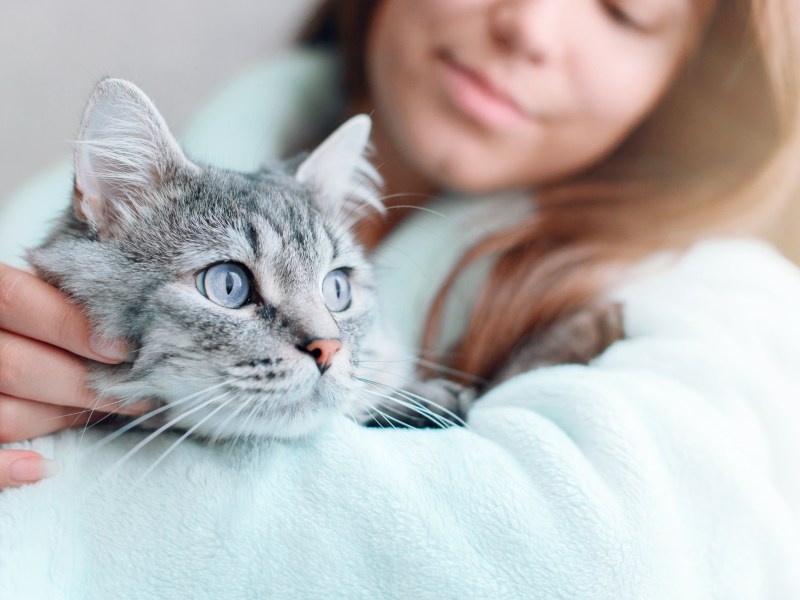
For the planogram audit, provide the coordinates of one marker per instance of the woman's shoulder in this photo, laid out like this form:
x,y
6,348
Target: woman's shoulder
x,y
738,281
721,259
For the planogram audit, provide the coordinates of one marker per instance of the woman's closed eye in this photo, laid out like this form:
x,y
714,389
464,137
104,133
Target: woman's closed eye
x,y
622,15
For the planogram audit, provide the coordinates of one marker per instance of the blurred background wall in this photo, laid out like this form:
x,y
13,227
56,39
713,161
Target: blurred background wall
x,y
52,52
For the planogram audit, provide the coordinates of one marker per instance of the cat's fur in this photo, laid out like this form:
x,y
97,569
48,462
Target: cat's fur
x,y
145,220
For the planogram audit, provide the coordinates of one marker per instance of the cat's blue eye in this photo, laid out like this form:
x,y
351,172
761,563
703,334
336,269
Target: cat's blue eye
x,y
226,284
336,290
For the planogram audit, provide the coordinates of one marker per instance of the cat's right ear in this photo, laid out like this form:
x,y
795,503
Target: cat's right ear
x,y
338,172
123,154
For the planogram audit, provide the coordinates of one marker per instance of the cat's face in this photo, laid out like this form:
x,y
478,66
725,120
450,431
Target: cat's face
x,y
245,295
249,297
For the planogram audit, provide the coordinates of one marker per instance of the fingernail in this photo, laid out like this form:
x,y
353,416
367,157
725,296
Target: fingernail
x,y
137,408
112,350
28,470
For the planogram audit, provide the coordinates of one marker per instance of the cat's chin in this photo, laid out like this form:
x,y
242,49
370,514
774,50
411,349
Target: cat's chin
x,y
301,421
303,427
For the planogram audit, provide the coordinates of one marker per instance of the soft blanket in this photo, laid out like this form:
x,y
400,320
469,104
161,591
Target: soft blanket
x,y
666,469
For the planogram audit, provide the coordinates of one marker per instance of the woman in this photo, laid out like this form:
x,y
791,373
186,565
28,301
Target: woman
x,y
642,126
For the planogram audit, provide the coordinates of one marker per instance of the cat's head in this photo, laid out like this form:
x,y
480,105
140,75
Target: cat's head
x,y
244,296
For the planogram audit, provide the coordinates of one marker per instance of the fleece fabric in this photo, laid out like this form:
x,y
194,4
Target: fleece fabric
x,y
668,468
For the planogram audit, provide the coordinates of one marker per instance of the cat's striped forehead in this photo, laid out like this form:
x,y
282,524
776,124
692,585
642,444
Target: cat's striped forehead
x,y
266,219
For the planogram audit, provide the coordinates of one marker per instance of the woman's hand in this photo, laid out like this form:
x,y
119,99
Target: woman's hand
x,y
44,340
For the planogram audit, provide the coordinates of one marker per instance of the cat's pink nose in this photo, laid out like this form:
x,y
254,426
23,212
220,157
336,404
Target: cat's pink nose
x,y
323,351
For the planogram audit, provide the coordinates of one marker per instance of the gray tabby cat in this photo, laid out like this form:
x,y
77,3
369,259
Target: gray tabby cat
x,y
245,296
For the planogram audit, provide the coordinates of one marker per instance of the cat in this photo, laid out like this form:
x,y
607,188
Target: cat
x,y
247,299
245,296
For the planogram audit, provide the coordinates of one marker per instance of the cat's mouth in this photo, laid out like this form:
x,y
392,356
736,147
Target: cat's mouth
x,y
245,412
275,396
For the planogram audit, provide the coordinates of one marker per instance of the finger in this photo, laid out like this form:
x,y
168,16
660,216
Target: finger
x,y
34,309
25,419
18,467
36,371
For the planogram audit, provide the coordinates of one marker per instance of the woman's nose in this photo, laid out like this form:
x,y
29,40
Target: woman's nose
x,y
531,28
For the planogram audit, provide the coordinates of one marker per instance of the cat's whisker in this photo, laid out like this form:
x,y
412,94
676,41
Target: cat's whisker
x,y
391,409
158,432
373,199
404,360
416,408
115,434
83,411
382,200
407,195
417,399
369,181
99,421
423,197
250,417
91,411
366,406
420,208
419,402
354,208
424,363
352,416
177,442
440,420
405,377
389,419
242,433
216,435
406,394
449,371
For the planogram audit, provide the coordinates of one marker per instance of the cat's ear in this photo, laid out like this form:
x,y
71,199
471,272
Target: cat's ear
x,y
342,179
123,153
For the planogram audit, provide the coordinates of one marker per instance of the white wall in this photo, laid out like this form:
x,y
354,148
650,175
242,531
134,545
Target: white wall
x,y
179,51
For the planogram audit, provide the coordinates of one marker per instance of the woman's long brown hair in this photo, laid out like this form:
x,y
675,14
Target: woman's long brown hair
x,y
720,154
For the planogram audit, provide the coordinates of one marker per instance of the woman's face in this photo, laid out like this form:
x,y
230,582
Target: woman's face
x,y
480,95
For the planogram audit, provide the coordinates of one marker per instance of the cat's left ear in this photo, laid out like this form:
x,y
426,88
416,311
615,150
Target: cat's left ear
x,y
340,176
123,155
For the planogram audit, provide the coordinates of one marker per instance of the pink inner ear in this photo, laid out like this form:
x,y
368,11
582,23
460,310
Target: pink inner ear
x,y
90,209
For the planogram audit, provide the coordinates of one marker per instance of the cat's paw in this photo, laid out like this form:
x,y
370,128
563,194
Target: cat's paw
x,y
433,403
578,338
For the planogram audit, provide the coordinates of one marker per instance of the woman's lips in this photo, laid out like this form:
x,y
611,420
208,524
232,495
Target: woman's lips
x,y
479,99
